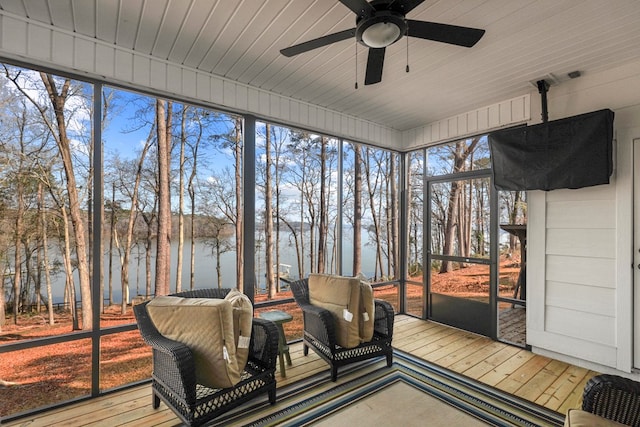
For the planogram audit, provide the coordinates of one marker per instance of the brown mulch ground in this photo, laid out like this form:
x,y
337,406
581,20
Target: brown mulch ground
x,y
59,372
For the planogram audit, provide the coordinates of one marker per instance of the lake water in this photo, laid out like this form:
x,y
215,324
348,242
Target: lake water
x,y
205,268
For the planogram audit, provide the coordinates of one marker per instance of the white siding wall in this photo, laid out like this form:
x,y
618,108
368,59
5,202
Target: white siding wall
x,y
40,45
475,122
580,245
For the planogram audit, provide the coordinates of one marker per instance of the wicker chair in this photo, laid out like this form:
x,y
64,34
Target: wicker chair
x,y
174,380
614,398
320,332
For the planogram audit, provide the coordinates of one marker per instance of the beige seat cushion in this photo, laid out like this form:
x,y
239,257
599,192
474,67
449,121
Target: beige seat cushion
x,y
580,418
343,297
205,325
242,324
367,311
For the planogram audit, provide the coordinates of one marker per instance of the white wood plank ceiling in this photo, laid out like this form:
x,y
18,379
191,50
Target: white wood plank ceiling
x,y
241,39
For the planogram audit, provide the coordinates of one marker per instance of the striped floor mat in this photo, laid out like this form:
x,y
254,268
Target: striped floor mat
x,y
372,388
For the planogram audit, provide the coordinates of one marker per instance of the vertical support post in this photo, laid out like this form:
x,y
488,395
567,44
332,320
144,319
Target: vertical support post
x,y
249,195
339,216
403,230
96,292
543,88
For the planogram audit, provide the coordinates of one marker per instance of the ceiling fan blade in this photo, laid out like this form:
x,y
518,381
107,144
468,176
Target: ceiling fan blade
x,y
374,66
452,34
359,7
405,6
319,42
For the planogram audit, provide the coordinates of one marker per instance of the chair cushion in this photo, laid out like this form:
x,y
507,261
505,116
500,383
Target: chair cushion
x,y
367,311
205,325
242,324
351,303
580,418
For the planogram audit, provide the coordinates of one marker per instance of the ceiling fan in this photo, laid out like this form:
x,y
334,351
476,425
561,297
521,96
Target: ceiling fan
x,y
381,23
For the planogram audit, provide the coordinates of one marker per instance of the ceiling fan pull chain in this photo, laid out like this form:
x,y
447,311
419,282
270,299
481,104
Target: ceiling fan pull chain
x,y
356,65
406,36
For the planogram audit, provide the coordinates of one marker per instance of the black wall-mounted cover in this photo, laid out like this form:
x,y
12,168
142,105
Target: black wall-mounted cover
x,y
574,152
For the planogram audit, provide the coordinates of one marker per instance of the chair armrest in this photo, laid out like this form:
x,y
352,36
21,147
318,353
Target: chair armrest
x,y
263,349
173,362
319,322
613,397
384,318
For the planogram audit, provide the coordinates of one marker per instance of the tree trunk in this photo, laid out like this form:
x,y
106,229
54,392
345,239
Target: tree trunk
x,y
357,210
58,100
71,290
374,213
45,252
453,213
17,259
268,218
163,256
112,230
323,214
183,142
394,238
238,155
128,241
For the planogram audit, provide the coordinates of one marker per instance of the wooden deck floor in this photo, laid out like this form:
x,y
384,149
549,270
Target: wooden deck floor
x,y
547,382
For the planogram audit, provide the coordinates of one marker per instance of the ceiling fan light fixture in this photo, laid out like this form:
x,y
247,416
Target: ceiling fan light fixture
x,y
381,34
381,30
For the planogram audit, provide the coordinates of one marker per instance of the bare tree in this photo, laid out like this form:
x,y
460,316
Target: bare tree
x,y
268,217
163,256
357,209
460,154
323,226
45,251
181,172
59,92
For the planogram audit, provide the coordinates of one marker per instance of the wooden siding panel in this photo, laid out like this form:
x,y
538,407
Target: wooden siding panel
x,y
547,341
485,119
108,64
62,47
203,87
602,193
189,83
285,111
581,325
581,214
229,94
84,55
123,65
600,272
304,113
590,299
158,75
14,35
39,42
174,78
141,70
274,106
241,97
217,91
597,243
264,102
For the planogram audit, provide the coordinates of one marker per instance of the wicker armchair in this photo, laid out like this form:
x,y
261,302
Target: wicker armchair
x,y
174,379
614,398
320,332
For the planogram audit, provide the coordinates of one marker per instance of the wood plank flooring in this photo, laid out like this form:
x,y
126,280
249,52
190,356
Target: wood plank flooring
x,y
547,382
